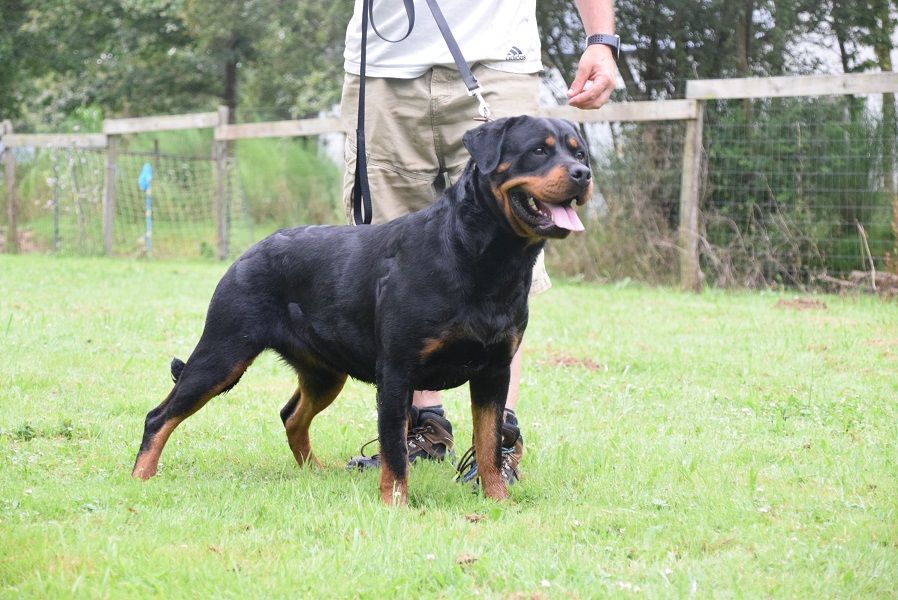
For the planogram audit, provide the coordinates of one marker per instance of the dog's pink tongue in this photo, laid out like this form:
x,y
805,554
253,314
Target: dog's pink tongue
x,y
565,217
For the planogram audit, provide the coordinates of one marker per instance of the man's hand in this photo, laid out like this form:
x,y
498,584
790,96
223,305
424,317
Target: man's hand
x,y
597,69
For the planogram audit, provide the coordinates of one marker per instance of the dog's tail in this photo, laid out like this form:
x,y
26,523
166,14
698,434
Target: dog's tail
x,y
177,367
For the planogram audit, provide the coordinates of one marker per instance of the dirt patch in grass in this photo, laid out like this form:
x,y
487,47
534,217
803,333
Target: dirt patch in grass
x,y
881,343
564,360
800,304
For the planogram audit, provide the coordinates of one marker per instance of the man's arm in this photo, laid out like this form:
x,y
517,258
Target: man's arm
x,y
597,63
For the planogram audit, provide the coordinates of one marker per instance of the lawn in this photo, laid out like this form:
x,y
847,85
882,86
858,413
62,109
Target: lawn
x,y
714,445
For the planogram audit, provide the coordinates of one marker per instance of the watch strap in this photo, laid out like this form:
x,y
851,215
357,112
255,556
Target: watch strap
x,y
605,39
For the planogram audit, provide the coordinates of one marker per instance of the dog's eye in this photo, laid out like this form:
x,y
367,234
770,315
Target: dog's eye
x,y
539,150
580,155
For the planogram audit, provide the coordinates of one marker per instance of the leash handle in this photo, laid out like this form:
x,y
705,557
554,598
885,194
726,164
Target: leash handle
x,y
409,13
361,192
362,209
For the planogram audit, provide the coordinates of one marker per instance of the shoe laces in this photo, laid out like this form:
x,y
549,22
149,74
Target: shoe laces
x,y
508,469
414,434
467,466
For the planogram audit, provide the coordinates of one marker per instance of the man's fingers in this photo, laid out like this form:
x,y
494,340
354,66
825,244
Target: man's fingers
x,y
595,77
595,95
579,81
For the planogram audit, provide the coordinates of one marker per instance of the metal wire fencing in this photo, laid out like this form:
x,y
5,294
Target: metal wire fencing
x,y
59,195
794,192
60,203
797,190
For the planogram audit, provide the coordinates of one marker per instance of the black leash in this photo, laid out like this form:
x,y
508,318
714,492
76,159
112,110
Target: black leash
x,y
361,192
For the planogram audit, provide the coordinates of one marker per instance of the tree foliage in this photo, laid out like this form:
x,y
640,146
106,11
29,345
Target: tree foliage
x,y
141,57
283,59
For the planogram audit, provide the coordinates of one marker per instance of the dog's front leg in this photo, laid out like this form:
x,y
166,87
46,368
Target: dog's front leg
x,y
394,396
488,392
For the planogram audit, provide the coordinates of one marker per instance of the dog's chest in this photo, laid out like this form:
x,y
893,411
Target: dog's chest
x,y
455,356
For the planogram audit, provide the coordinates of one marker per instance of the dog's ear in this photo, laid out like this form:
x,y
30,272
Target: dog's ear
x,y
484,144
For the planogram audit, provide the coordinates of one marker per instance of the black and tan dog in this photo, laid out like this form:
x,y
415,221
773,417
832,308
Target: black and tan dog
x,y
427,301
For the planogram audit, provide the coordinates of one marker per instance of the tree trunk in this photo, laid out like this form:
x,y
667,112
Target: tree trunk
x,y
744,34
230,85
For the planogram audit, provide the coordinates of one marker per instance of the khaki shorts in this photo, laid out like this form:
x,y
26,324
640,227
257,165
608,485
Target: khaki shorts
x,y
413,133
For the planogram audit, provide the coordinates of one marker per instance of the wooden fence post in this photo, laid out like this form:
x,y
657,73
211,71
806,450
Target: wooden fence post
x,y
112,142
691,276
220,206
9,167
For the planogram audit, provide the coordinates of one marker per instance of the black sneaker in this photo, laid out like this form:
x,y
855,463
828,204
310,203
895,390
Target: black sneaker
x,y
429,438
512,451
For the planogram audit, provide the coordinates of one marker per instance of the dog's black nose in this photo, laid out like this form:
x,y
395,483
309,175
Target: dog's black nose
x,y
580,173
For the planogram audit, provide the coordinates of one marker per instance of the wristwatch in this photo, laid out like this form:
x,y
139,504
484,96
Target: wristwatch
x,y
610,40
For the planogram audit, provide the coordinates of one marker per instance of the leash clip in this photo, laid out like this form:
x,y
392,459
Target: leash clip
x,y
484,108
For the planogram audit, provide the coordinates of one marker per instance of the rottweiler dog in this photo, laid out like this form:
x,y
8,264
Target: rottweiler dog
x,y
428,301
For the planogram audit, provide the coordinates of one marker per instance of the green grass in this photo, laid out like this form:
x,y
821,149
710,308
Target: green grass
x,y
714,445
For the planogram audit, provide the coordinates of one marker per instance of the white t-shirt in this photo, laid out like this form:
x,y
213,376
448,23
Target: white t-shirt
x,y
500,34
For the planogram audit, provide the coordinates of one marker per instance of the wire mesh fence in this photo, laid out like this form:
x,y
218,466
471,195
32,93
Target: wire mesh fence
x,y
796,189
174,216
794,192
60,203
59,200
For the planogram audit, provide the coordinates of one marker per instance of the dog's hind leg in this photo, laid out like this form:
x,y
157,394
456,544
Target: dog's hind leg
x,y
318,386
207,374
488,392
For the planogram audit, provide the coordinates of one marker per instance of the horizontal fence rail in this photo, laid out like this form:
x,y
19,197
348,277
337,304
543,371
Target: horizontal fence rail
x,y
278,129
794,86
55,140
635,112
163,123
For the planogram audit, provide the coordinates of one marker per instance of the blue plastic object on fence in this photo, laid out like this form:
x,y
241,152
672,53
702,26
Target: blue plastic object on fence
x,y
143,182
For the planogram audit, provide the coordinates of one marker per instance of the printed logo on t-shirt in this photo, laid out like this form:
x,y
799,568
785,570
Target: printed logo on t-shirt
x,y
515,54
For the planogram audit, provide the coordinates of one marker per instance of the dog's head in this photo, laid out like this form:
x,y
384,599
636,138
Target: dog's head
x,y
537,170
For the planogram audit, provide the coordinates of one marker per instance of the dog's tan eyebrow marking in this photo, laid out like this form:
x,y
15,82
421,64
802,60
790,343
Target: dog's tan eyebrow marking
x,y
572,143
550,140
503,167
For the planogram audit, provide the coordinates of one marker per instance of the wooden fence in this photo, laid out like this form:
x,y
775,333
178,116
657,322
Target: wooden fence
x,y
690,110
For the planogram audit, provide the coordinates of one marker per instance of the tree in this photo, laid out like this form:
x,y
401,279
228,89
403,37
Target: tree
x,y
126,57
227,36
18,58
300,66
